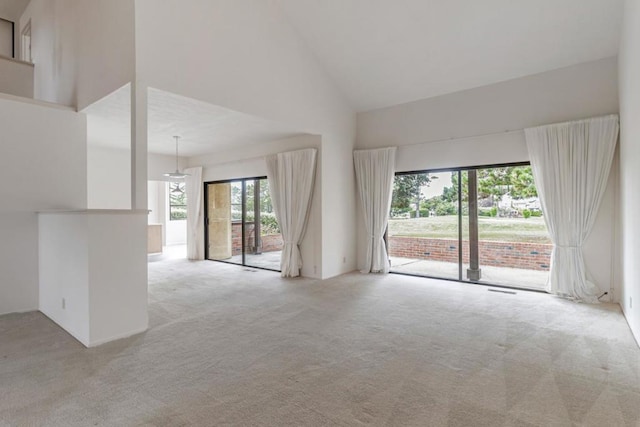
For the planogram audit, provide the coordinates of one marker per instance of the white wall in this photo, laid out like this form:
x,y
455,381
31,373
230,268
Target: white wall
x,y
93,268
82,50
175,232
106,50
249,163
629,161
108,178
570,93
257,64
109,175
64,268
158,204
53,49
18,261
441,132
6,38
43,155
118,275
43,165
153,201
16,78
11,11
159,164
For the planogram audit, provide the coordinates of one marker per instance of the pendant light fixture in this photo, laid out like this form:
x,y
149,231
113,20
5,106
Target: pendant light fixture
x,y
177,175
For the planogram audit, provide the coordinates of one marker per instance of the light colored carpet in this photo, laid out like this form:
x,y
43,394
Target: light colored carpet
x,y
228,346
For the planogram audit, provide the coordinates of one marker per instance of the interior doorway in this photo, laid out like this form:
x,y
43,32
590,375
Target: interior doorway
x,y
167,220
240,226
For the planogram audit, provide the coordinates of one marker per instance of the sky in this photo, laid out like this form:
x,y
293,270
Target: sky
x,y
436,186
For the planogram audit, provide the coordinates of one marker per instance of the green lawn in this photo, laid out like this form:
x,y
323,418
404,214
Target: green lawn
x,y
497,229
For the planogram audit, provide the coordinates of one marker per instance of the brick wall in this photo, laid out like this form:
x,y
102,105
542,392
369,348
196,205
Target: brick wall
x,y
270,242
530,256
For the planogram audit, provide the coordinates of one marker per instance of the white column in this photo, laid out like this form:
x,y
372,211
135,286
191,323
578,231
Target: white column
x,y
138,145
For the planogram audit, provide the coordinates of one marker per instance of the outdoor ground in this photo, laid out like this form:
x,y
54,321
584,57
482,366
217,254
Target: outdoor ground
x,y
532,230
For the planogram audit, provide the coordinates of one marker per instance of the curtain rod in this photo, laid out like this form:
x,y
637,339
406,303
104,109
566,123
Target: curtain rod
x,y
462,138
504,132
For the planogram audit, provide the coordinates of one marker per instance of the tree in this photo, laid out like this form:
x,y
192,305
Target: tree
x,y
264,205
450,194
493,182
522,185
517,181
407,190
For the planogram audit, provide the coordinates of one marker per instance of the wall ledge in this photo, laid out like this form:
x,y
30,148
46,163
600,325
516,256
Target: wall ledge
x,y
96,212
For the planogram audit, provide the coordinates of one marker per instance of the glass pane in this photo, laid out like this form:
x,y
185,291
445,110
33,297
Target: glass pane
x,y
464,226
223,243
263,241
514,248
423,226
251,244
177,201
178,212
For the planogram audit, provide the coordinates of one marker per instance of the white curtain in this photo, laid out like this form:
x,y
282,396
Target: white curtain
x,y
195,226
571,164
291,176
374,175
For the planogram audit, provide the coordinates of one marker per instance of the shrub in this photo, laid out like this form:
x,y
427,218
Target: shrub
x,y
526,213
493,212
536,213
400,212
445,208
269,224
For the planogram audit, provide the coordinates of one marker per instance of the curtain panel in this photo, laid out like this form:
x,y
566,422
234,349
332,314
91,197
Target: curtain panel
x,y
195,226
291,177
374,176
571,164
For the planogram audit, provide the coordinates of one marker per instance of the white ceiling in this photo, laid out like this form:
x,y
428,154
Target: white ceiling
x,y
388,52
204,128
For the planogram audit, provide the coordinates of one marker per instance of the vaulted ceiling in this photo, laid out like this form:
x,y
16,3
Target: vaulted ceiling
x,y
388,52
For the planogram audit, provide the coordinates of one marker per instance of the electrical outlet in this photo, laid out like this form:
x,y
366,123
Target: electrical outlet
x,y
64,304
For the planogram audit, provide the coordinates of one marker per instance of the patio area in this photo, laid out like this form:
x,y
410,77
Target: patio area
x,y
268,260
516,277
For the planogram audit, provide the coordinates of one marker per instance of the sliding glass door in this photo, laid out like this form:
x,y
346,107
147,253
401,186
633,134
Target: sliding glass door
x,y
424,225
508,239
240,225
481,224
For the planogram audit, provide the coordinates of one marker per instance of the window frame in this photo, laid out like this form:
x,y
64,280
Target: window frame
x,y
171,205
459,170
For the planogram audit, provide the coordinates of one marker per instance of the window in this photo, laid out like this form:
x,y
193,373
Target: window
x,y
177,201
